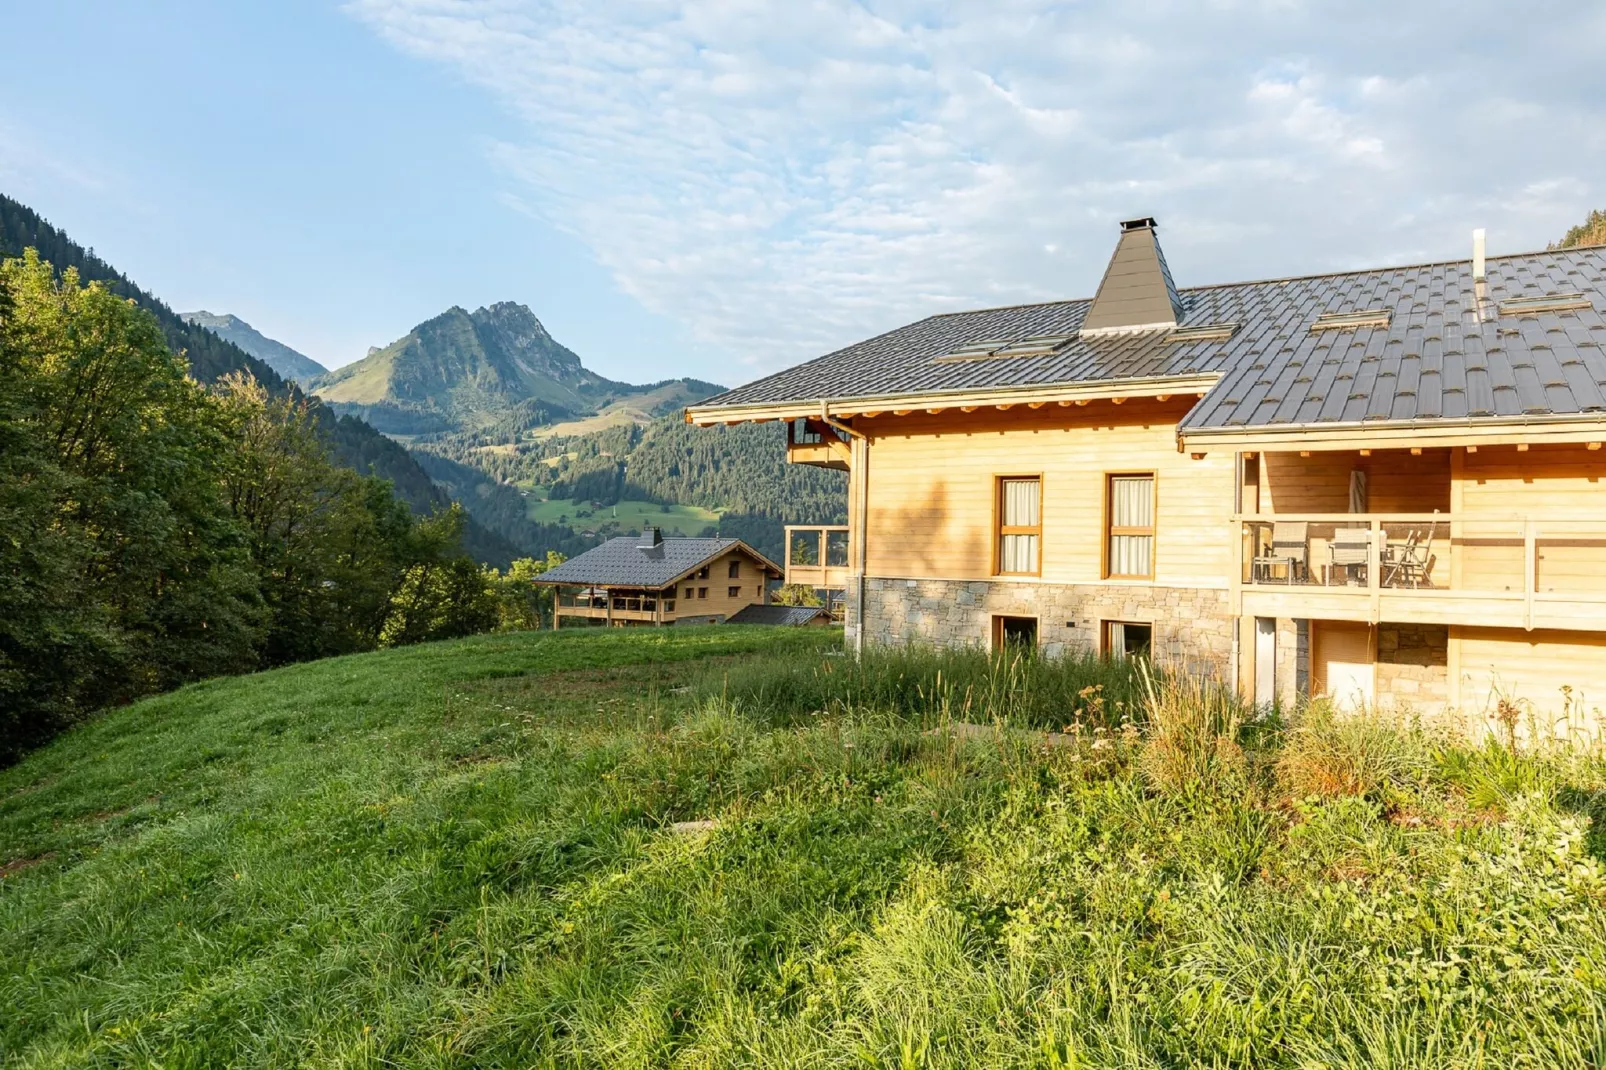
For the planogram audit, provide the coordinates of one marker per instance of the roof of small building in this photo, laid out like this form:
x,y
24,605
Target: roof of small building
x,y
629,561
779,615
1446,352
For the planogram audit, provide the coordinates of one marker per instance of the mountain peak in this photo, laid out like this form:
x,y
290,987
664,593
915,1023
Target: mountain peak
x,y
275,354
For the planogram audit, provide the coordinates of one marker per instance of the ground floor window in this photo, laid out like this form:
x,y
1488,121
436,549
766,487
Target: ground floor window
x,y
1015,633
1127,639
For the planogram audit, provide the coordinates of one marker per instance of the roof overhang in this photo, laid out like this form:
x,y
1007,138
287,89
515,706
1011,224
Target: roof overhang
x,y
937,401
1396,434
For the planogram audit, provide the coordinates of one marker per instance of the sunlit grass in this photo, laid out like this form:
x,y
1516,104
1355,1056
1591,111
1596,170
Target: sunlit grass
x,y
465,855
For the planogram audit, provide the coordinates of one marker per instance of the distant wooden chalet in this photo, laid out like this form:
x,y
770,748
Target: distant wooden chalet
x,y
1384,485
648,579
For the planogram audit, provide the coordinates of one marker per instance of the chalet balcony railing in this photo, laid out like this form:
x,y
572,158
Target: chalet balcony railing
x,y
817,555
1528,571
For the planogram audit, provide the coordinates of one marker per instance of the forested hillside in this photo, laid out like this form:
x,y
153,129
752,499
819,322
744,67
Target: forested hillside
x,y
1592,231
739,472
158,530
210,357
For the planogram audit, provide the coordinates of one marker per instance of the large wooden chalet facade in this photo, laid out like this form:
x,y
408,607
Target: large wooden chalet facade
x,y
1383,485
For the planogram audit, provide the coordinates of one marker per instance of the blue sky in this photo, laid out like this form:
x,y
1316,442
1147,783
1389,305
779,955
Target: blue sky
x,y
720,189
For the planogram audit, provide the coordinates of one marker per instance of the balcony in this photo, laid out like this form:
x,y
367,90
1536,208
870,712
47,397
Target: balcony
x,y
1516,571
817,556
816,443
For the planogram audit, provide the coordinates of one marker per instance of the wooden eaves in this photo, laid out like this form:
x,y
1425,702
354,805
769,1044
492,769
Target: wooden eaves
x,y
1400,434
1036,395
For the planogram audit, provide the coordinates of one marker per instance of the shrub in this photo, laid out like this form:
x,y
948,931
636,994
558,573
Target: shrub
x,y
1363,753
1193,725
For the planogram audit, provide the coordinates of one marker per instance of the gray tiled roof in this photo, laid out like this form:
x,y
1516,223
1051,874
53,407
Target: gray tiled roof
x,y
1435,360
623,562
779,615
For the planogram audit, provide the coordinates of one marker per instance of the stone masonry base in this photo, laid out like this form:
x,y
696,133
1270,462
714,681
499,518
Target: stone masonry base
x,y
1191,626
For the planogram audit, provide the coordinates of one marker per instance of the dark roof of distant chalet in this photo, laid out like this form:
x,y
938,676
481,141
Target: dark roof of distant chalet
x,y
1443,355
625,562
780,615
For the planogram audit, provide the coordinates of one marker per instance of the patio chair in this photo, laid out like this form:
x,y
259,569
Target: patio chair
x,y
1349,553
1290,552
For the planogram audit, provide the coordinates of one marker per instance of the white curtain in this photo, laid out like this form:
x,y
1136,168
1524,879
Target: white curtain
x,y
1117,640
1022,508
1131,506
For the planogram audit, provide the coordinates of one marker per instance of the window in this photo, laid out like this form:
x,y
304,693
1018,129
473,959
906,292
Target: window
x,y
691,592
733,592
702,592
1129,507
702,573
1127,639
736,568
1020,525
1015,633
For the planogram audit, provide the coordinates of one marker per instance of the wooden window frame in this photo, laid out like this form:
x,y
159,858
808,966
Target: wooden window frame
x,y
735,572
1110,531
999,530
733,592
995,628
1104,636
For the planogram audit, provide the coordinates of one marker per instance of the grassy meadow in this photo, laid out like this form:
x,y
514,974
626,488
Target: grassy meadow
x,y
629,515
712,847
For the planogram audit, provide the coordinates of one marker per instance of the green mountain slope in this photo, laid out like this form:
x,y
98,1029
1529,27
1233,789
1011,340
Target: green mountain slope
x,y
575,480
355,443
289,363
463,371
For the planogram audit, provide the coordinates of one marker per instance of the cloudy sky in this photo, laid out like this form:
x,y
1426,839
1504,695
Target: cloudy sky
x,y
721,189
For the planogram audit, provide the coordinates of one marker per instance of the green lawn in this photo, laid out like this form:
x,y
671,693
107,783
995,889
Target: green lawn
x,y
463,855
677,520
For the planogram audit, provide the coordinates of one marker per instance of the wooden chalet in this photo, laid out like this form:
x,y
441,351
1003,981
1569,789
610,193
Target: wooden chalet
x,y
1386,486
647,579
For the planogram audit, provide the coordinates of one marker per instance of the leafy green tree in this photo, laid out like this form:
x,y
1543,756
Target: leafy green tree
x,y
523,605
124,570
440,596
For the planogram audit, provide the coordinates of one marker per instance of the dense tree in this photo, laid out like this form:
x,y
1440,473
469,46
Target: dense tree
x,y
154,531
1592,231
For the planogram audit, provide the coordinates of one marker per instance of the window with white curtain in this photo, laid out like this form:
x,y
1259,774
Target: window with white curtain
x,y
1130,509
1020,524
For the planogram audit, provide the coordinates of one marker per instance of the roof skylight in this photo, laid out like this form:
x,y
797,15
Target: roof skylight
x,y
1348,321
1528,306
1204,332
998,348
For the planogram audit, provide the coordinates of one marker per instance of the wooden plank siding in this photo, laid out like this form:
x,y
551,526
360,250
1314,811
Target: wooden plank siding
x,y
719,602
1530,668
1397,482
1546,479
933,486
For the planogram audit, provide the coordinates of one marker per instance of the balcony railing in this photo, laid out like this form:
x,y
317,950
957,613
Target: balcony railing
x,y
1529,571
817,555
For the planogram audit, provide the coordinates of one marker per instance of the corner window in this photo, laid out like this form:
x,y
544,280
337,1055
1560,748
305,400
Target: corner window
x,y
1020,525
1129,509
1127,639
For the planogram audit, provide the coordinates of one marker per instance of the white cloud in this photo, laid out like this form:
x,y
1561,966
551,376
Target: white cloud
x,y
787,177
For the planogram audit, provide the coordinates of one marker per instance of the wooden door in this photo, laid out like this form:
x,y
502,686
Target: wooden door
x,y
1344,663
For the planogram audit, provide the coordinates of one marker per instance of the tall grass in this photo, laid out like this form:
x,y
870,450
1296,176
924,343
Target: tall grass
x,y
468,856
932,686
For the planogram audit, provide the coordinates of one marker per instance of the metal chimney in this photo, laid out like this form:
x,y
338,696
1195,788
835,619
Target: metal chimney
x,y
1478,272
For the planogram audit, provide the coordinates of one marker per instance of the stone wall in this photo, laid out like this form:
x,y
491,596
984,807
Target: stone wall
x,y
1413,666
1191,626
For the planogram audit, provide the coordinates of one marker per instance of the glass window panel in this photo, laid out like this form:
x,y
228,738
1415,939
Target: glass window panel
x,y
1132,501
1131,555
1018,553
1022,503
836,549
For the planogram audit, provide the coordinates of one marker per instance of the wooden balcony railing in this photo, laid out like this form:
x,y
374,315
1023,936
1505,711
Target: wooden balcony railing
x,y
817,555
1527,571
